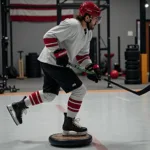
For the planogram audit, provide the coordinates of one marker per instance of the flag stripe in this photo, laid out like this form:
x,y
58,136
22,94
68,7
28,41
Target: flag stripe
x,y
33,7
37,10
23,12
38,2
38,18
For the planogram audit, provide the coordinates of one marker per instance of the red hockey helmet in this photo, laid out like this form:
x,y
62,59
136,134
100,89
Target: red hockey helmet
x,y
88,7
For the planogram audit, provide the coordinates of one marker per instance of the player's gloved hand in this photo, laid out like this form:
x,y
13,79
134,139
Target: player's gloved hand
x,y
61,57
96,70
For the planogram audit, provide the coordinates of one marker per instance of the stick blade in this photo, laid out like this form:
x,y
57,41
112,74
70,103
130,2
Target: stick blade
x,y
143,91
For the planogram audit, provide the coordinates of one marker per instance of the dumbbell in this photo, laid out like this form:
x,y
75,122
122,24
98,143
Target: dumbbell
x,y
1,91
13,89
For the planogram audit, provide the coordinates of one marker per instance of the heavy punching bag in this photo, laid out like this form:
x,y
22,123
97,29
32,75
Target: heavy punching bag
x,y
33,69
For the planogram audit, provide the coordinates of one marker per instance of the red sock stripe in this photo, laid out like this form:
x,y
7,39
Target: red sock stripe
x,y
72,110
34,97
31,100
75,101
72,105
39,97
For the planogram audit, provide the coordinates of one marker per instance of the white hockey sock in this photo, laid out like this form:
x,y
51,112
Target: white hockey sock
x,y
73,107
75,101
39,97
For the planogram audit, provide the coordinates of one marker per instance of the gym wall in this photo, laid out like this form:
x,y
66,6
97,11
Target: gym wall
x,y
0,45
123,15
28,36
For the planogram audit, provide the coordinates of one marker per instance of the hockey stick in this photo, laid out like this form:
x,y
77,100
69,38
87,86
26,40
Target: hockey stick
x,y
141,92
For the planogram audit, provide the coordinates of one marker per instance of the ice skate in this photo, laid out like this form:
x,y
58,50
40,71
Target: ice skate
x,y
71,127
16,110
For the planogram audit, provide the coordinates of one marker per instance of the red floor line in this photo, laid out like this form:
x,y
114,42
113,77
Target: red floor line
x,y
96,143
61,108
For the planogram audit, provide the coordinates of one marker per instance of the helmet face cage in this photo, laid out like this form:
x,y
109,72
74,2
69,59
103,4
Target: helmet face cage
x,y
99,18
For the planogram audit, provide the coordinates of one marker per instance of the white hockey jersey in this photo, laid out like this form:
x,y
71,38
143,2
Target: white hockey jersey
x,y
69,34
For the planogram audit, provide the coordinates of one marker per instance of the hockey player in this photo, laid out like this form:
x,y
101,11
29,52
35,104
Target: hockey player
x,y
63,43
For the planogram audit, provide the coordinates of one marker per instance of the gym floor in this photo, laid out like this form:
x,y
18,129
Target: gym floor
x,y
117,119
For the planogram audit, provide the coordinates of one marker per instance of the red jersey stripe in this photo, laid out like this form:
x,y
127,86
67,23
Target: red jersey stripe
x,y
80,59
51,45
50,40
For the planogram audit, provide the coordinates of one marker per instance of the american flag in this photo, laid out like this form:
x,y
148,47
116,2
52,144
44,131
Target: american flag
x,y
37,11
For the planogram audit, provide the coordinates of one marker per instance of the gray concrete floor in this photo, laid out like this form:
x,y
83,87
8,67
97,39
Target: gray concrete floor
x,y
116,120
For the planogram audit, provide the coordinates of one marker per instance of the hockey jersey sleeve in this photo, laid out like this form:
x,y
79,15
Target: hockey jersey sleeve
x,y
57,34
83,57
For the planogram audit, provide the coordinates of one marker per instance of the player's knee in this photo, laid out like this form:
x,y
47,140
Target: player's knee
x,y
83,89
80,92
48,97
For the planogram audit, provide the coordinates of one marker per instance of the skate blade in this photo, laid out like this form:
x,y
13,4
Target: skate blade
x,y
73,133
11,110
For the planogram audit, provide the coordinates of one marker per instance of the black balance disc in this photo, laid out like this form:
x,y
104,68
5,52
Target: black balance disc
x,y
59,140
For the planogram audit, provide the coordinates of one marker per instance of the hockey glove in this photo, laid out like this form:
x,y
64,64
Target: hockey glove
x,y
93,68
61,57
